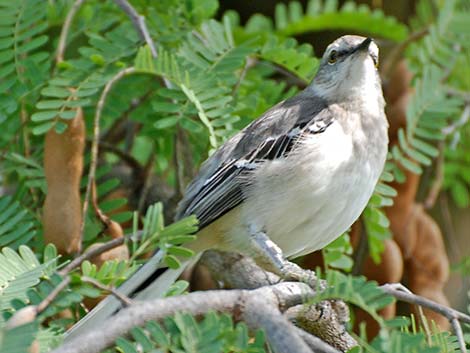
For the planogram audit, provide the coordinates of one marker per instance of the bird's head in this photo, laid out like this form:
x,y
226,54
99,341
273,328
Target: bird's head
x,y
348,69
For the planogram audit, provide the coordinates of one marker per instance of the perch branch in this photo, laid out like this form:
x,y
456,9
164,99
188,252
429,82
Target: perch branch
x,y
237,271
260,308
315,343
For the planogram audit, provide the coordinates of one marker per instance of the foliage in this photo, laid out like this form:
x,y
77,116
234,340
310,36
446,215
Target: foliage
x,y
20,271
431,108
167,239
356,291
212,75
322,15
182,333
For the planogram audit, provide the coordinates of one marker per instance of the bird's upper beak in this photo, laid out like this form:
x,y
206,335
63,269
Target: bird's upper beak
x,y
364,45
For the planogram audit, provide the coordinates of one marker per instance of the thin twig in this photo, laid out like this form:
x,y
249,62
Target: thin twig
x,y
296,80
396,53
95,141
250,62
183,162
436,186
448,225
52,295
139,24
362,250
126,301
421,315
27,146
402,293
127,158
119,124
65,30
459,333
77,262
396,290
95,251
450,66
147,183
452,91
453,128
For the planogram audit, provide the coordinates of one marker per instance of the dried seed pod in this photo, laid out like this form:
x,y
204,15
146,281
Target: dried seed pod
x,y
63,166
22,317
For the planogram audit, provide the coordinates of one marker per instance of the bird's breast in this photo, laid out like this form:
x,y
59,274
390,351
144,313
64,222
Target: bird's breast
x,y
306,200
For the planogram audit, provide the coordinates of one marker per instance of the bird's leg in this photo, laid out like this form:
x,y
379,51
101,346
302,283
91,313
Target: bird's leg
x,y
269,256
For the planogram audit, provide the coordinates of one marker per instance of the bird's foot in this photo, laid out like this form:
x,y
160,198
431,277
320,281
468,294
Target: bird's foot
x,y
269,256
293,272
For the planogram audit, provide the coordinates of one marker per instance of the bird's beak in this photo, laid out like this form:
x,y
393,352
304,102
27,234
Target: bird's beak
x,y
364,45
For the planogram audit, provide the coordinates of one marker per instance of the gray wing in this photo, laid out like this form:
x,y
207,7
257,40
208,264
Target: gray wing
x,y
219,186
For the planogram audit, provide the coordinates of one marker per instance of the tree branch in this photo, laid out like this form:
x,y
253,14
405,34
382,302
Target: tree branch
x,y
315,343
237,271
260,308
323,321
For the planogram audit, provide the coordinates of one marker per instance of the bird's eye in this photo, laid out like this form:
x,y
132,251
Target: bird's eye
x,y
333,57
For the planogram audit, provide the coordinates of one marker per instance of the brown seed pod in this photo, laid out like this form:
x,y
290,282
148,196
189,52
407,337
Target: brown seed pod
x,y
22,317
63,166
119,253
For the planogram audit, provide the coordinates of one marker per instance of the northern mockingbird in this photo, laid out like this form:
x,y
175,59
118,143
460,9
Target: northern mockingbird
x,y
297,177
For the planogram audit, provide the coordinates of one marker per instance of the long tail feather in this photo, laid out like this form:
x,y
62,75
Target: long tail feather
x,y
110,305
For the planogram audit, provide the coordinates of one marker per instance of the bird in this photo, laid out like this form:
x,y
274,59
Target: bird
x,y
294,179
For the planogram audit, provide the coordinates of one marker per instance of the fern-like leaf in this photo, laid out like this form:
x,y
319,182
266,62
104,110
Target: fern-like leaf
x,y
323,15
19,271
17,225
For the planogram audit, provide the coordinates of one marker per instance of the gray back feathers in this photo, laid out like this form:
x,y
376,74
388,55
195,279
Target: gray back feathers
x,y
220,184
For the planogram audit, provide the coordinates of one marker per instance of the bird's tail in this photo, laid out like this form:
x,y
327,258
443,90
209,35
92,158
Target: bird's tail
x,y
111,305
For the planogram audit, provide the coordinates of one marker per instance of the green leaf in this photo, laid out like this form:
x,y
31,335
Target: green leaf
x,y
166,123
172,261
58,92
19,272
44,115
